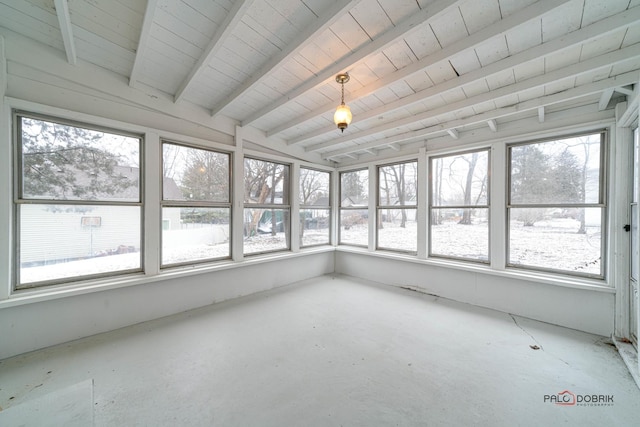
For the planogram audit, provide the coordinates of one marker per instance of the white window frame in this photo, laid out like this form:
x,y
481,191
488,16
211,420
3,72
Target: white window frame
x,y
380,207
199,204
328,207
487,206
16,115
602,203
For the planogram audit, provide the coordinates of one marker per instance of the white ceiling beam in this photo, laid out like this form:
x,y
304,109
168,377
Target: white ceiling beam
x,y
512,21
328,18
533,104
633,103
428,14
578,37
64,19
454,133
627,90
493,125
541,114
605,98
219,38
394,146
574,70
371,151
143,43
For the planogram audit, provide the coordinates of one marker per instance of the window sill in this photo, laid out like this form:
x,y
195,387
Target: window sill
x,y
28,296
529,276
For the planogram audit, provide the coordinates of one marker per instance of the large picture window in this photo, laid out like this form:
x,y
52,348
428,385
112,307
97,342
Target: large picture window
x,y
78,204
354,207
397,207
315,207
556,204
266,206
459,206
196,204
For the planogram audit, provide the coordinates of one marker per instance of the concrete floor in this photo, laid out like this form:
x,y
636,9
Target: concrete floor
x,y
334,351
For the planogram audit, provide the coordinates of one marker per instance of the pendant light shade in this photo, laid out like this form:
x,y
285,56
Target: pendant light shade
x,y
342,117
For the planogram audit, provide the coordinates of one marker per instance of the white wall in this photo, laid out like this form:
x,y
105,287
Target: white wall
x,y
37,325
589,310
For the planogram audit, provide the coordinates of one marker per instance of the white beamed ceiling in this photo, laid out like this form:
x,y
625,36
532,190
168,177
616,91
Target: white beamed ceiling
x,y
420,69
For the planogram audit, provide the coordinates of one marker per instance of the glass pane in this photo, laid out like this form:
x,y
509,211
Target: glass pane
x,y
354,227
635,253
397,229
460,233
194,234
314,227
194,174
556,239
61,242
397,184
557,172
314,187
63,162
354,188
266,182
460,180
266,230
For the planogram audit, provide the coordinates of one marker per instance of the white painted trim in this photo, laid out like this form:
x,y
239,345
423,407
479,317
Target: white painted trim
x,y
373,212
497,207
143,42
538,277
621,140
6,176
219,38
36,295
64,20
423,203
237,201
152,210
294,197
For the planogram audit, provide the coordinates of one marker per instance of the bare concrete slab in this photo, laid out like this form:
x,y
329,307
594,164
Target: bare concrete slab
x,y
337,351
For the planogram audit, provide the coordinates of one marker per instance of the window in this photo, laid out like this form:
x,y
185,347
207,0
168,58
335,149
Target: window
x,y
354,208
315,207
78,204
556,204
196,204
266,206
397,207
459,206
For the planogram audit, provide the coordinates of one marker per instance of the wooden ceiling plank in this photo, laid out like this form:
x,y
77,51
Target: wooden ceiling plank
x,y
64,19
456,48
555,46
304,39
601,61
143,43
224,31
428,14
534,104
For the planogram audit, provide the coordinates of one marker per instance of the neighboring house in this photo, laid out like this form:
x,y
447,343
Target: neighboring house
x,y
87,231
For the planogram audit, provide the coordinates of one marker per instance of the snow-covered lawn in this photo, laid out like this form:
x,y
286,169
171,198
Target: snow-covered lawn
x,y
553,244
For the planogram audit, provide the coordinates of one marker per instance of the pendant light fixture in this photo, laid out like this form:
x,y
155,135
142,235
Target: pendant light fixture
x,y
342,117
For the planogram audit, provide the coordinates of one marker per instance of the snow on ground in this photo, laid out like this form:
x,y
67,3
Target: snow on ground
x,y
553,244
